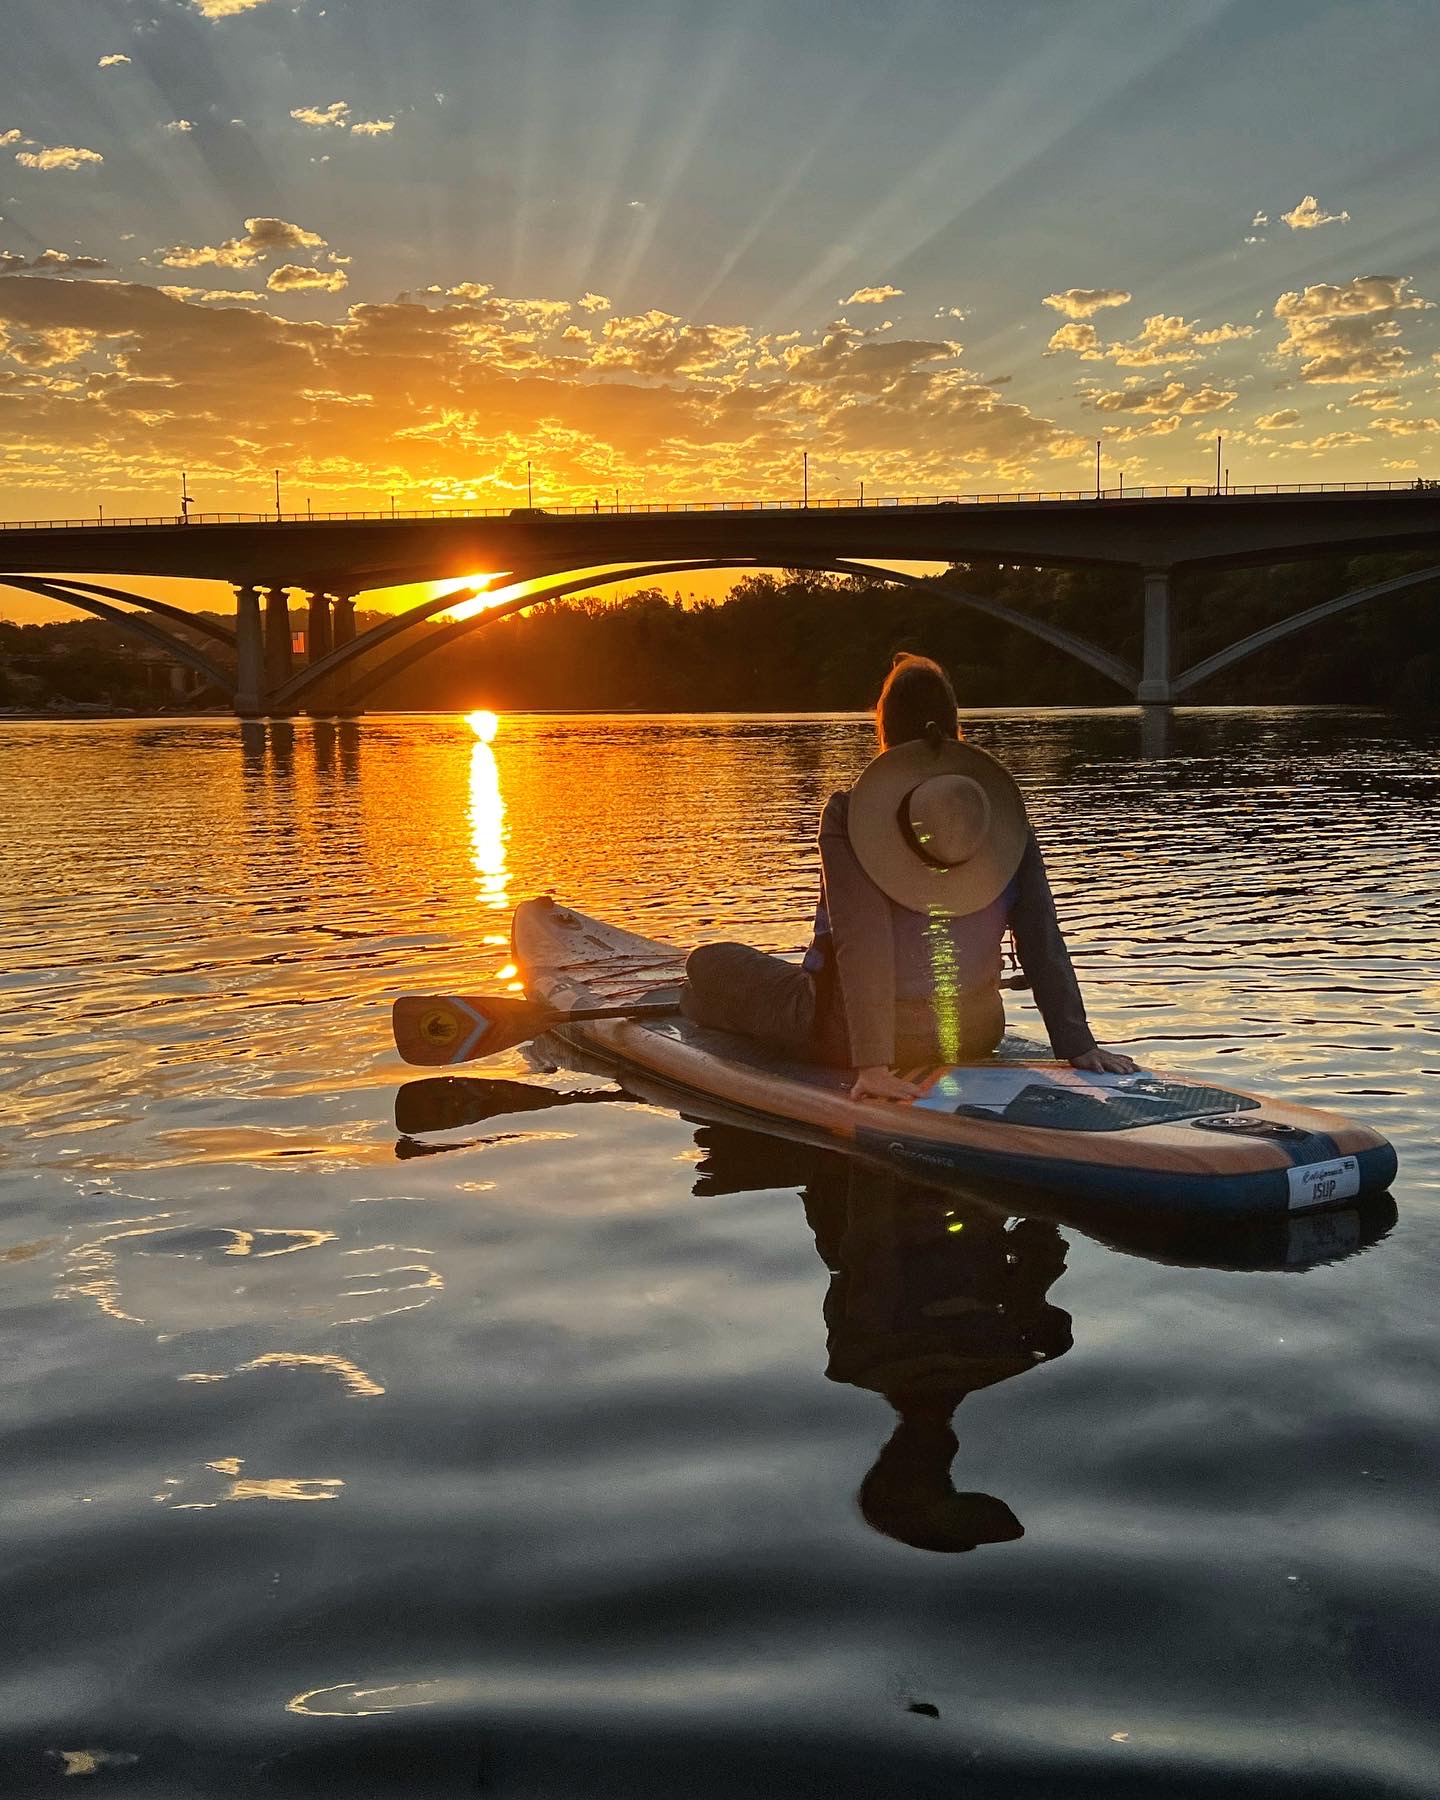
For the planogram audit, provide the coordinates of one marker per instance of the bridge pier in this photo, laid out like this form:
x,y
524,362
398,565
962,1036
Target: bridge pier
x,y
319,642
343,633
279,656
1156,663
250,653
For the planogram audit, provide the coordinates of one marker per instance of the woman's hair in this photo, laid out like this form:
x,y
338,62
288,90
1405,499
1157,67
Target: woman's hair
x,y
916,701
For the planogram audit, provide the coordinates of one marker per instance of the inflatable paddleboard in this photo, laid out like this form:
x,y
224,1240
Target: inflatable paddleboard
x,y
1153,1140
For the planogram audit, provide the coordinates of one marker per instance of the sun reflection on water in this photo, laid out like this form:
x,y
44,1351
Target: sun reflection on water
x,y
488,833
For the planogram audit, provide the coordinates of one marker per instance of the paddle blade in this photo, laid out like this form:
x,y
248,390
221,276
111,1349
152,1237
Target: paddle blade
x,y
434,1030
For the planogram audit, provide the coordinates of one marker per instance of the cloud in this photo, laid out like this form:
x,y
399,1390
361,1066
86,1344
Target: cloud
x,y
953,312
1259,220
872,296
447,396
1084,303
211,296
10,137
1278,421
262,238
57,156
292,278
1404,462
181,125
372,127
1307,215
1165,397
1331,440
336,113
1405,427
1082,338
1165,339
51,262
593,303
1376,398
1347,332
113,62
225,9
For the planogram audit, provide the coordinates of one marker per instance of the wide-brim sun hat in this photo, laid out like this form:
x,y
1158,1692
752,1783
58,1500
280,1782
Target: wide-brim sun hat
x,y
938,826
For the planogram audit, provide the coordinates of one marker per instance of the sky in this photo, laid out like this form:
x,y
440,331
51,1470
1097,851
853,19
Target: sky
x,y
664,249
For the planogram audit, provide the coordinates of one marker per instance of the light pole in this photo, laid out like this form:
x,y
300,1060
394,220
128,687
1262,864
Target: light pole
x,y
805,478
184,499
1219,440
277,496
1097,468
862,493
529,487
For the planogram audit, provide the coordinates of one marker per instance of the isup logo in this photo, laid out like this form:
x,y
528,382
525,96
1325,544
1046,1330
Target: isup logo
x,y
438,1029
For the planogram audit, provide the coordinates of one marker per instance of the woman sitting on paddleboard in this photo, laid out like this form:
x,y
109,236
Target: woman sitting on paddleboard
x,y
925,863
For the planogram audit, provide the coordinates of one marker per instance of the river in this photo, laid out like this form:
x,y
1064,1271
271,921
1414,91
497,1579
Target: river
x,y
548,1454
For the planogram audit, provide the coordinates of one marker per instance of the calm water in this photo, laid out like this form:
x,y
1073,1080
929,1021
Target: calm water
x,y
561,1463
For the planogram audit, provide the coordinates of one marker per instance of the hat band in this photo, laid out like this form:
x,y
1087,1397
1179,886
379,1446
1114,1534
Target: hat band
x,y
907,831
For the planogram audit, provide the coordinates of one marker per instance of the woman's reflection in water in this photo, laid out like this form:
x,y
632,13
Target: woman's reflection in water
x,y
930,1300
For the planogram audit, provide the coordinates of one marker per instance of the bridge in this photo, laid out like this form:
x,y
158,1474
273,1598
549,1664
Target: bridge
x,y
333,558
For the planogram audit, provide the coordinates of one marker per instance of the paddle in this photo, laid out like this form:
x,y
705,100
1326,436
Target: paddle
x,y
435,1029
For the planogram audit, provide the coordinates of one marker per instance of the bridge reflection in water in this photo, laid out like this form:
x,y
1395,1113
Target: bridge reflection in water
x,y
329,561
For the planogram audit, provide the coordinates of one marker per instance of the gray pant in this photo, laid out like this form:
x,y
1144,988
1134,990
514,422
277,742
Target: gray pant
x,y
732,987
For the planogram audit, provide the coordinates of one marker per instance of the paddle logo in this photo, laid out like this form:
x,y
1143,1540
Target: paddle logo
x,y
440,1027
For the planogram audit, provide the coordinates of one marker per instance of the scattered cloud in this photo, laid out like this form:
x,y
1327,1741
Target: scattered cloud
x,y
1165,397
1405,427
225,9
1406,462
953,312
591,303
211,296
10,137
1376,398
56,156
113,62
337,113
1260,219
262,238
872,296
1348,331
1308,214
1078,336
1084,303
1331,440
50,262
1278,421
1165,339
181,125
372,127
292,278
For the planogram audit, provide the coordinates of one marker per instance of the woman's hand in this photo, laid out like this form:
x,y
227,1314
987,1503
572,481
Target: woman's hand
x,y
1101,1061
881,1084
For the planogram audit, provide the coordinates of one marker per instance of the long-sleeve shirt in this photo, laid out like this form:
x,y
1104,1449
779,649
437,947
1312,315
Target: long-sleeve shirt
x,y
885,955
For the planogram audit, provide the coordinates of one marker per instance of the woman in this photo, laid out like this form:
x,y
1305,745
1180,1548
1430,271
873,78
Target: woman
x,y
925,863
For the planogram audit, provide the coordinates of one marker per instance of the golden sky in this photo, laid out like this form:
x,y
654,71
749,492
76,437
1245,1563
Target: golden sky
x,y
651,252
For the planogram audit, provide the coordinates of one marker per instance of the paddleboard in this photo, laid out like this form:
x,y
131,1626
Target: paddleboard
x,y
1166,1142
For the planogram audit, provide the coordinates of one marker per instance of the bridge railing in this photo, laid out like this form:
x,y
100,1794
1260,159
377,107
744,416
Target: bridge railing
x,y
406,515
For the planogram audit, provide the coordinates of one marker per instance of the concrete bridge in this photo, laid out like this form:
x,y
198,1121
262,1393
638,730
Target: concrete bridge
x,y
330,559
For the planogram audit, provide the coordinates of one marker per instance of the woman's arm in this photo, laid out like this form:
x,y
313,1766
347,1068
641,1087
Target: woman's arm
x,y
1047,965
864,955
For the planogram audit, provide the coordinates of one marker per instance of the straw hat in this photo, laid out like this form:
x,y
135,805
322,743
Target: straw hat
x,y
938,825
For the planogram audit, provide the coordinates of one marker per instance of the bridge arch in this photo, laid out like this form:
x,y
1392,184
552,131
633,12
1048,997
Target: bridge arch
x,y
1301,621
361,686
136,624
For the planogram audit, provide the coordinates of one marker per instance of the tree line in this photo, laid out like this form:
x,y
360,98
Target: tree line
x,y
797,641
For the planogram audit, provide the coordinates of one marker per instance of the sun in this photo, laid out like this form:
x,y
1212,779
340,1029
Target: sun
x,y
484,725
466,609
